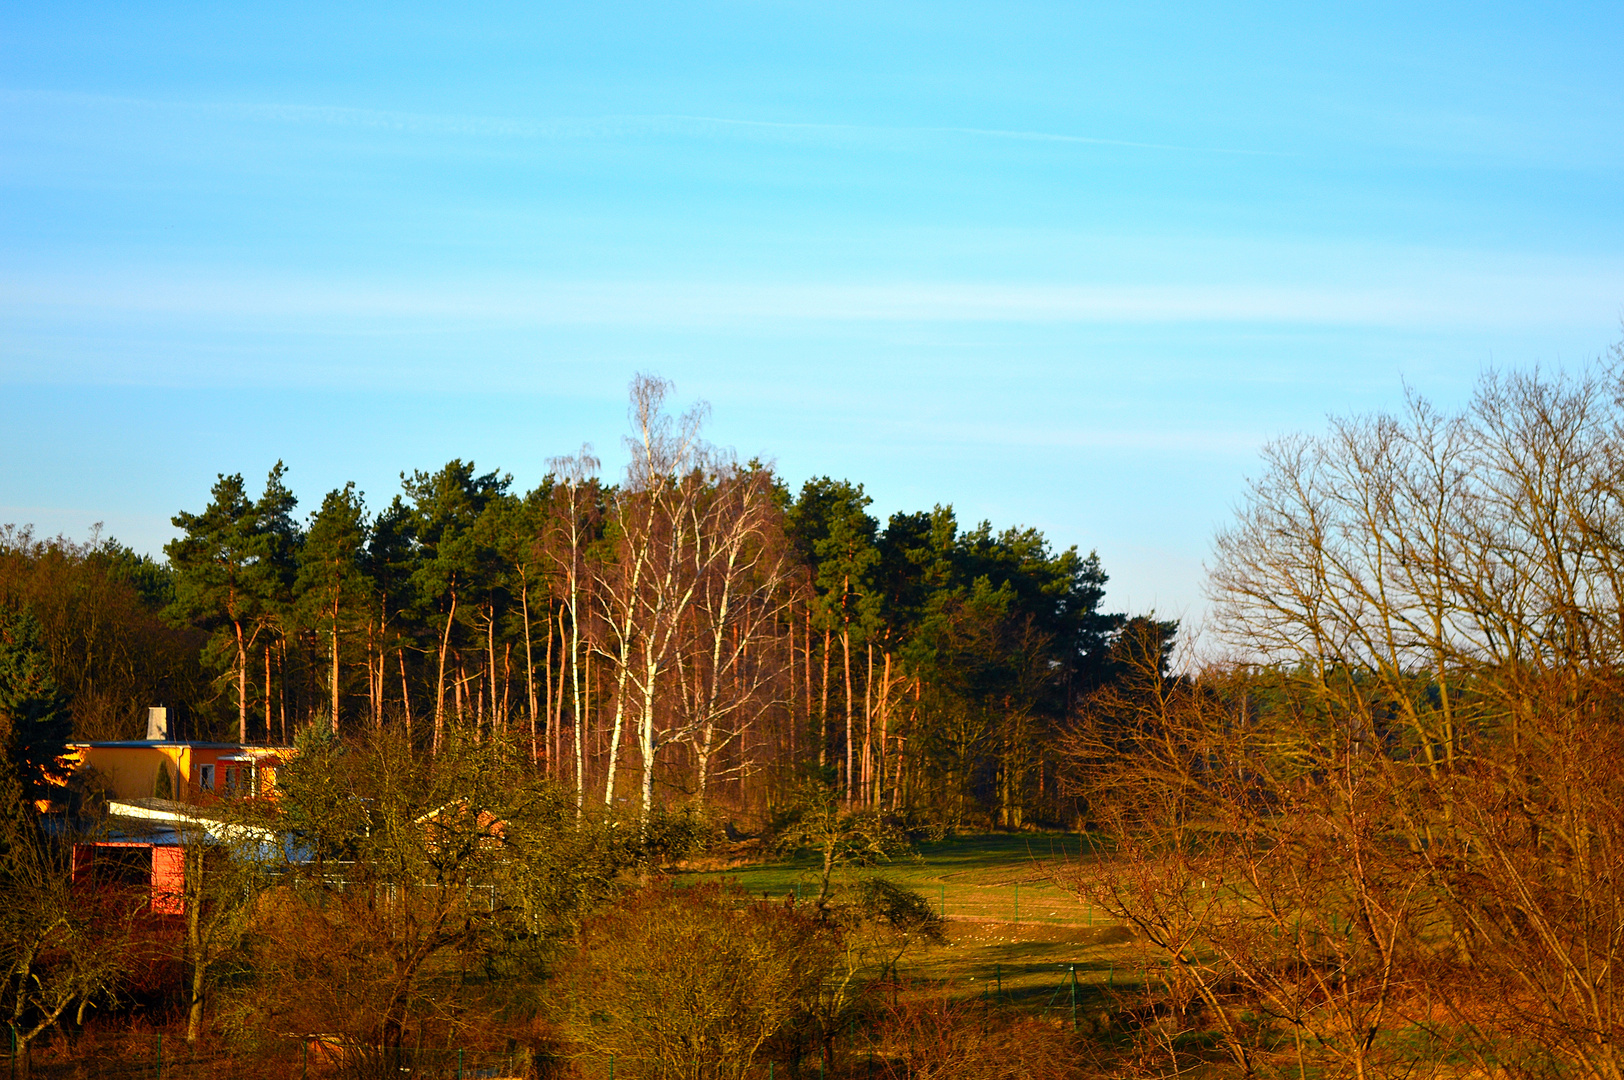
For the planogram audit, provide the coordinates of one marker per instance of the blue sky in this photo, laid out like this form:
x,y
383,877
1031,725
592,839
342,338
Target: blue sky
x,y
1059,265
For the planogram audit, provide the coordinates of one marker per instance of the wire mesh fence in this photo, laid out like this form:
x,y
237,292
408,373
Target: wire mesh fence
x,y
156,1057
458,1064
135,1056
1032,901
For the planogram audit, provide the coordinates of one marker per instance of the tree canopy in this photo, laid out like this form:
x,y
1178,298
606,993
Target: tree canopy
x,y
697,630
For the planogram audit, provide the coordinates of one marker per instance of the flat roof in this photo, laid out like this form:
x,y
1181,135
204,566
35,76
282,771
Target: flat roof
x,y
138,743
136,834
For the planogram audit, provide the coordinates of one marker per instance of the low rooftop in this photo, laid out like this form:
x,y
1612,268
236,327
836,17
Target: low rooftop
x,y
137,743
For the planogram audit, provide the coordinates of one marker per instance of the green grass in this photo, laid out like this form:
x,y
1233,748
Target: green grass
x,y
1021,966
1013,933
996,876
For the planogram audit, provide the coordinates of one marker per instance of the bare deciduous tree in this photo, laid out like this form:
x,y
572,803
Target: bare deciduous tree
x,y
1396,806
570,529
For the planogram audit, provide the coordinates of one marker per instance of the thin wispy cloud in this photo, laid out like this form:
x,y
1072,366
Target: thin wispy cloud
x,y
1142,438
595,127
1460,300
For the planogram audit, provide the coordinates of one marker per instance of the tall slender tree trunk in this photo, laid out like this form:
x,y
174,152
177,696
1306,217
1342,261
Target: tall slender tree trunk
x,y
459,684
885,730
242,686
902,757
845,651
868,728
507,683
530,666
439,685
792,723
490,659
375,675
710,701
647,736
383,677
334,673
405,692
706,748
192,890
579,717
823,704
806,671
556,715
268,691
621,677
578,705
282,695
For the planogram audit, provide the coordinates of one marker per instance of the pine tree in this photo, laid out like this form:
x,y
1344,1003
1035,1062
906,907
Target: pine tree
x,y
231,567
445,506
831,524
331,586
34,724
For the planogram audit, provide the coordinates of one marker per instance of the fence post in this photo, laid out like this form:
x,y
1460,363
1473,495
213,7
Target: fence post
x,y
459,1063
611,1067
160,1055
1074,997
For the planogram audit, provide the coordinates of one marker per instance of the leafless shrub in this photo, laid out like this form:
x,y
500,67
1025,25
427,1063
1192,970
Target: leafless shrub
x,y
695,983
940,1039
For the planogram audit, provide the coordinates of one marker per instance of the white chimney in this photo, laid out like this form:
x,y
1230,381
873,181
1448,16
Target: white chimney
x,y
157,724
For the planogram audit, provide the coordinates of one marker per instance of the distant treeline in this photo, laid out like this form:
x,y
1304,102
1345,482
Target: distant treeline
x,y
697,630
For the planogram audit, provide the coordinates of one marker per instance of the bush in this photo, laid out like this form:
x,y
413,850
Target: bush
x,y
694,983
946,1040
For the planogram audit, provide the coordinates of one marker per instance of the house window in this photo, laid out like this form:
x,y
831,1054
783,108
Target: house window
x,y
231,780
205,778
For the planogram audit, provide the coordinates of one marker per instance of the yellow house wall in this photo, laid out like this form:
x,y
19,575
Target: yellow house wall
x,y
131,772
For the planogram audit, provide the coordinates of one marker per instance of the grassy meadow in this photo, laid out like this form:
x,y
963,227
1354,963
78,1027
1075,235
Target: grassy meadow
x,y
1012,934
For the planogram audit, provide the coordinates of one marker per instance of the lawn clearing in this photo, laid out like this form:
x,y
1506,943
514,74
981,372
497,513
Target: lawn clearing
x,y
1013,934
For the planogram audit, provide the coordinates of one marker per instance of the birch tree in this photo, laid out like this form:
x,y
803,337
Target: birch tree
x,y
655,579
571,527
741,563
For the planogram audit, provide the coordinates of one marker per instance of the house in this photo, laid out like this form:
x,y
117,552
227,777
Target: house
x,y
136,855
143,846
186,772
161,796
